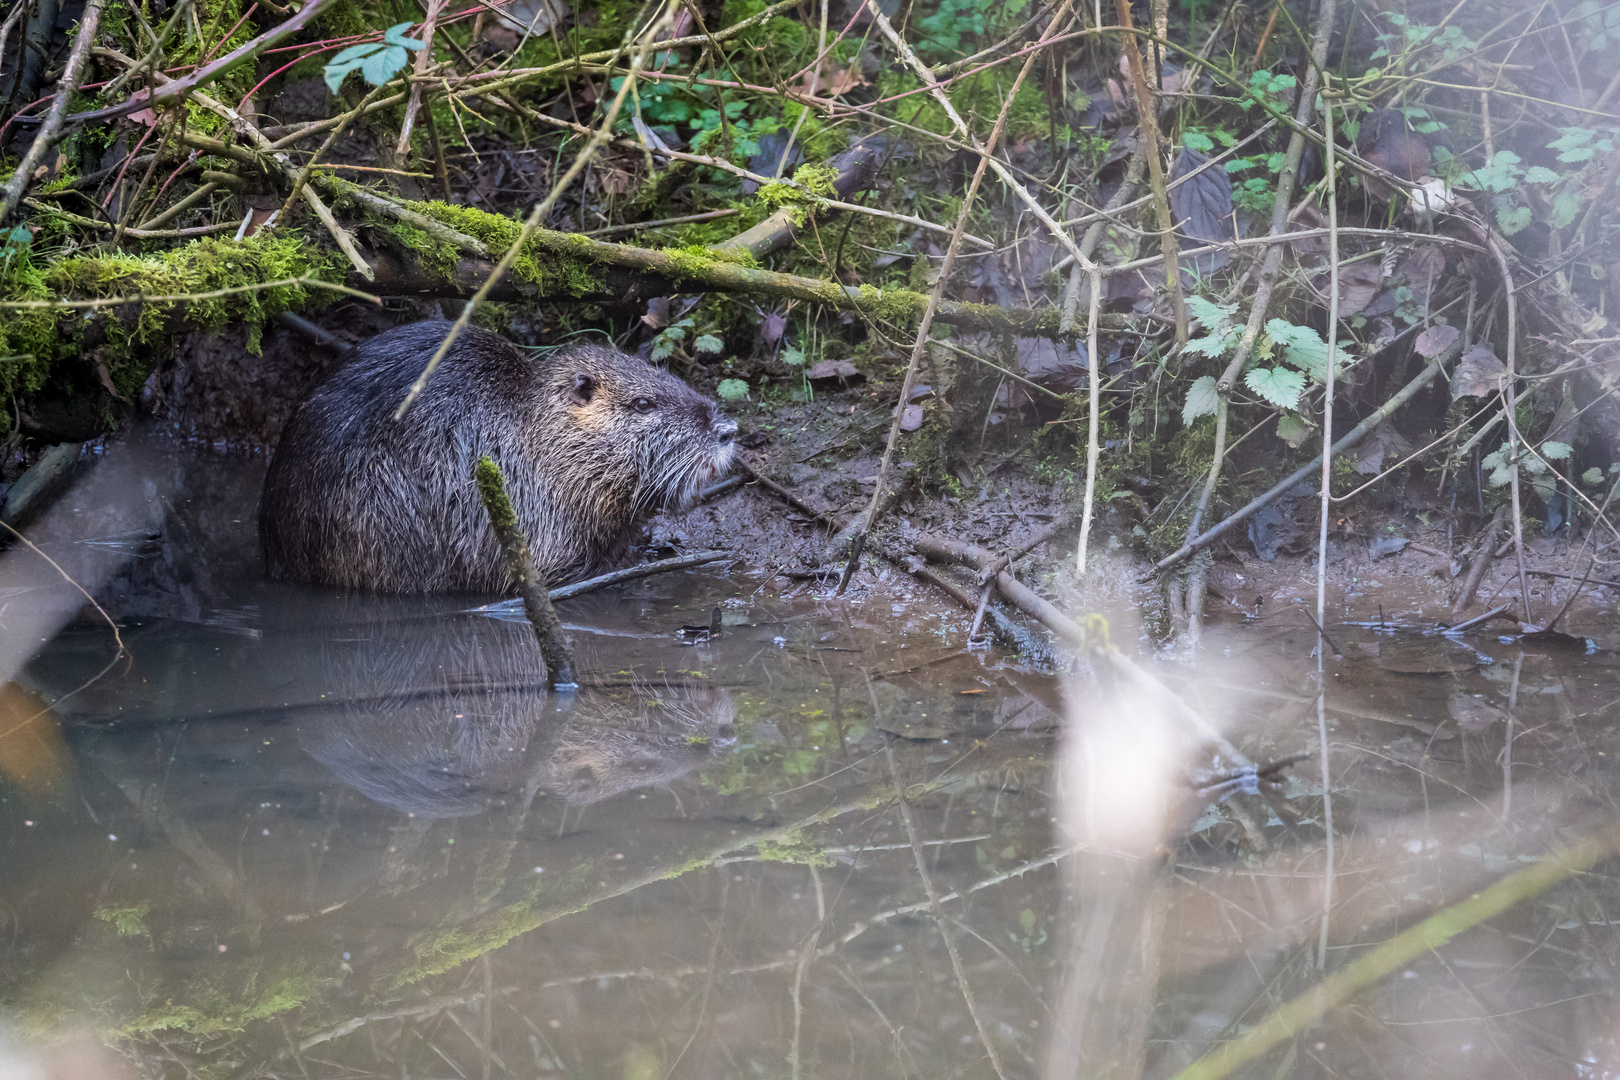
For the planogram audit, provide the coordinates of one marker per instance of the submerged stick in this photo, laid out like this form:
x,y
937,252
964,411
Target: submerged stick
x,y
1372,967
554,646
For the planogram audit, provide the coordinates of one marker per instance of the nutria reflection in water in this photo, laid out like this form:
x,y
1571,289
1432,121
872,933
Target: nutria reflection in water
x,y
455,719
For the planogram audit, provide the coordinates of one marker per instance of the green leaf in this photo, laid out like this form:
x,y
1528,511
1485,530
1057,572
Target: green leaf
x,y
1540,174
731,390
1593,475
708,344
1565,208
1278,386
1202,400
377,61
1500,175
793,355
1556,451
1212,315
395,35
1574,145
1213,346
1302,346
1292,429
1512,219
1197,140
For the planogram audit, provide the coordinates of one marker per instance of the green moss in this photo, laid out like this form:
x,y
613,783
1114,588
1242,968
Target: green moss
x,y
46,344
812,186
553,273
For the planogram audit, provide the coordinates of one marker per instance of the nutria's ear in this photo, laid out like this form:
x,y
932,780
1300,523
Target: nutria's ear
x,y
583,390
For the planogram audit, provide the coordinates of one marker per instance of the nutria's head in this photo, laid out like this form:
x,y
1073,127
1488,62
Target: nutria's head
x,y
632,428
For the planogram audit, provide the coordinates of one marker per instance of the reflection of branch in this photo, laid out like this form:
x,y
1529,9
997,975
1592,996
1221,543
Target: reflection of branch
x,y
1371,967
939,912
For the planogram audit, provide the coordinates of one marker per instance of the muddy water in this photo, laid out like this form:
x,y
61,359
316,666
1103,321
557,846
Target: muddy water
x,y
298,834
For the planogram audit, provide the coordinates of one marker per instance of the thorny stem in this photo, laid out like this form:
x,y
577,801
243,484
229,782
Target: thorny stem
x,y
1510,383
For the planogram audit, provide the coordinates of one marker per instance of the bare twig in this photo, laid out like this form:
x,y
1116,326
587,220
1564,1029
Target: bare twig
x,y
1147,114
51,130
175,90
424,60
868,518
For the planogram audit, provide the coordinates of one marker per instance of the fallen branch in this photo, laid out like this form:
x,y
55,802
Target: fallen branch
x,y
1483,557
554,646
631,573
1091,640
1373,966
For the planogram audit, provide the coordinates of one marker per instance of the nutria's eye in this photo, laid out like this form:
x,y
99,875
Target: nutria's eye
x,y
643,405
583,390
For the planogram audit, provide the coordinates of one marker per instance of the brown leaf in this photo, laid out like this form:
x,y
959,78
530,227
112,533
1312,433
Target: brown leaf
x,y
1422,269
772,329
1436,340
830,370
912,418
1358,283
105,378
836,81
1384,442
1479,374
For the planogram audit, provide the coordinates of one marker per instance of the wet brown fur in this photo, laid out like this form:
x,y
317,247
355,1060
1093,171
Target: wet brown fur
x,y
589,439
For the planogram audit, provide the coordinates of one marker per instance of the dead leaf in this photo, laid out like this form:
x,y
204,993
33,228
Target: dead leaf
x,y
658,314
834,80
1479,374
144,116
1202,207
1384,442
105,378
1436,340
772,329
911,419
830,370
1358,283
1425,266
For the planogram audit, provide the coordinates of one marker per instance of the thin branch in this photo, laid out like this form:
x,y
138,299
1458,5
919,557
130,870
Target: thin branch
x,y
51,130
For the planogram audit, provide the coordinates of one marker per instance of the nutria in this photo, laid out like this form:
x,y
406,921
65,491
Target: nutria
x,y
589,439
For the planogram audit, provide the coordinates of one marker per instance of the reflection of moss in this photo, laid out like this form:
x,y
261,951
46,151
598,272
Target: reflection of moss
x,y
794,848
213,1010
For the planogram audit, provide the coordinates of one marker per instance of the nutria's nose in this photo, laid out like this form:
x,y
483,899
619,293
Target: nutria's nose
x,y
725,430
